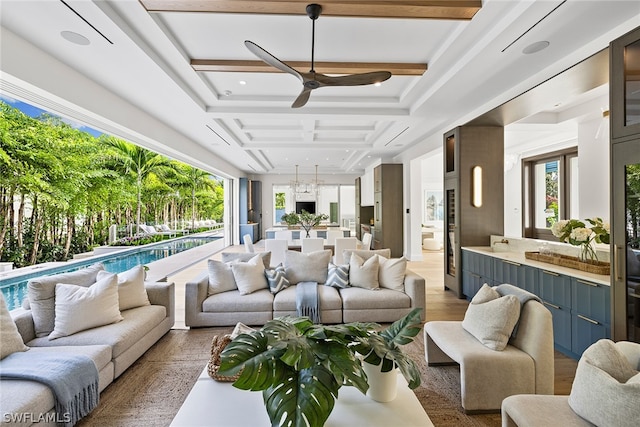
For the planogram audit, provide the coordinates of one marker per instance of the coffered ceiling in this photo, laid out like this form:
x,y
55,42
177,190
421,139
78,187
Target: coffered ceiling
x,y
176,77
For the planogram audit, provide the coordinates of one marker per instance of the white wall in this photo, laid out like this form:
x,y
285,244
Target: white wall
x,y
593,175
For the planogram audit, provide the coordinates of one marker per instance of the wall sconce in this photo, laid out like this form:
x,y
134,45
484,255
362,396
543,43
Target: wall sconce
x,y
476,186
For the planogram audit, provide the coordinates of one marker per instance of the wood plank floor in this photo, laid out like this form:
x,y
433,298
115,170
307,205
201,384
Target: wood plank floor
x,y
440,304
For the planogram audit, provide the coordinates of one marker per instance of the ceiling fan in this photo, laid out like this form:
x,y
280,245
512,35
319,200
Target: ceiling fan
x,y
313,80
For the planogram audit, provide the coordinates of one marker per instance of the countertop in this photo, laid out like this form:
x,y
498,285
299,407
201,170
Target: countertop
x,y
520,258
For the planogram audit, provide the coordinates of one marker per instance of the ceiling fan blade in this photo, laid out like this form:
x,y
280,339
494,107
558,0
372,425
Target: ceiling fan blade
x,y
270,59
302,99
353,79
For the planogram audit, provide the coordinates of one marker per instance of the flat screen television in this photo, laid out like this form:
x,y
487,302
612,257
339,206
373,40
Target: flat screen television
x,y
307,206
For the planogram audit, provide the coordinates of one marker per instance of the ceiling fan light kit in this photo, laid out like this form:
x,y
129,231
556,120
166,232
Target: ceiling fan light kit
x,y
313,80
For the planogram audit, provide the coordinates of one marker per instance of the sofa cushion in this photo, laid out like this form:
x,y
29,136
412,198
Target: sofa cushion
x,y
354,298
391,272
119,336
10,338
131,291
599,397
338,276
220,277
309,267
246,256
249,276
79,308
365,254
364,274
42,290
491,321
276,278
233,302
286,299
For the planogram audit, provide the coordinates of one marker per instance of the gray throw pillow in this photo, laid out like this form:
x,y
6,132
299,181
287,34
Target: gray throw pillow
x,y
364,274
220,277
246,256
10,339
491,320
309,267
277,278
338,276
42,295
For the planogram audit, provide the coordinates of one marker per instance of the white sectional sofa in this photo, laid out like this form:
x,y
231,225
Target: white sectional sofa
x,y
205,308
113,347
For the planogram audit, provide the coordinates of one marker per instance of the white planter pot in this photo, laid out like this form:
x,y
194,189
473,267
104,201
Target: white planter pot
x,y
383,386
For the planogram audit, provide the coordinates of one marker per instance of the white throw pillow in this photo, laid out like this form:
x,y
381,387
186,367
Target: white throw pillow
x,y
79,308
391,272
491,320
131,291
605,390
42,290
220,277
309,267
249,276
10,339
364,274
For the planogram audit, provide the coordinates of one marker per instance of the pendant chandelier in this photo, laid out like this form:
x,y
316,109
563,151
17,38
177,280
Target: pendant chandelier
x,y
306,190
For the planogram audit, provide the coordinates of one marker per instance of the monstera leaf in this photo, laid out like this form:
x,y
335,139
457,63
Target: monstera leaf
x,y
298,366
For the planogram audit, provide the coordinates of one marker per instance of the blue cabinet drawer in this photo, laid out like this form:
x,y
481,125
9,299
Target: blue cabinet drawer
x,y
522,276
592,300
586,331
561,318
555,288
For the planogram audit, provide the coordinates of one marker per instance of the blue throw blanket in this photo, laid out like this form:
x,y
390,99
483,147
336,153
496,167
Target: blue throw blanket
x,y
307,301
521,294
73,379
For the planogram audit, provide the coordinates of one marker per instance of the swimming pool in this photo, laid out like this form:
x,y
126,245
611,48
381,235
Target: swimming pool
x,y
14,289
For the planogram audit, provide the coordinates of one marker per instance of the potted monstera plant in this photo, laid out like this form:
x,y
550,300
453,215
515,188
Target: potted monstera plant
x,y
299,366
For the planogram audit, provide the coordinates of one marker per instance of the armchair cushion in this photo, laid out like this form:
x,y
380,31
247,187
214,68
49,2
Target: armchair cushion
x,y
490,318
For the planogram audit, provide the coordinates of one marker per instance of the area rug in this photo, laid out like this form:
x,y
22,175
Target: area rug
x,y
152,390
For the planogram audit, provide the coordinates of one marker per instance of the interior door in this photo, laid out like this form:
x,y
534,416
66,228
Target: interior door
x,y
625,224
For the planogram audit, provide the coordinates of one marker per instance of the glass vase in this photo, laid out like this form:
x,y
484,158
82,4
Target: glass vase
x,y
587,252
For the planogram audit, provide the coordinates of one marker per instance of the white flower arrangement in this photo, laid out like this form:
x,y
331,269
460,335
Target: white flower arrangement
x,y
576,232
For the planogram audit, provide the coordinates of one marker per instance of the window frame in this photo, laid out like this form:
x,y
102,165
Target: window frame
x,y
564,158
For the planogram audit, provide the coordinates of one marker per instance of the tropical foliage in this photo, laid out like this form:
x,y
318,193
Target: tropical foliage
x,y
61,189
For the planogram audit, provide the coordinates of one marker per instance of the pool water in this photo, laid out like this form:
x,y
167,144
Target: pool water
x,y
14,289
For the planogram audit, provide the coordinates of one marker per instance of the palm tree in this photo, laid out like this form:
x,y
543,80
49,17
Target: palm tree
x,y
139,162
194,179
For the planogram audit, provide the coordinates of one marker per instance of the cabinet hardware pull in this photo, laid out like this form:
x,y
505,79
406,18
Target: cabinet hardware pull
x,y
475,275
512,263
550,272
557,307
595,285
618,268
588,320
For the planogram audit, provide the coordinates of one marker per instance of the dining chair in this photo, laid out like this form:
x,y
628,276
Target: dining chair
x,y
278,248
312,244
248,243
283,234
341,244
366,241
332,235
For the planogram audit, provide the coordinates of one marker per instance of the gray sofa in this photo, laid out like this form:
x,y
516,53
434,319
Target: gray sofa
x,y
113,348
351,304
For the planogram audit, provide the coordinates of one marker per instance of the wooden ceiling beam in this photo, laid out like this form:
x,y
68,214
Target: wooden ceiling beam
x,y
412,9
244,66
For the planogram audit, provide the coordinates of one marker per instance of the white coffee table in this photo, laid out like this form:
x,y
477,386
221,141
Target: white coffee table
x,y
213,403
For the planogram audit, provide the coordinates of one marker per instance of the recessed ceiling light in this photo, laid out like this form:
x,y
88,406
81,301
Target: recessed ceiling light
x,y
227,93
242,82
75,38
535,47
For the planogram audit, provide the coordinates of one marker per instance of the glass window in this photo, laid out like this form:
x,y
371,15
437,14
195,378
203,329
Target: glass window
x,y
551,191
